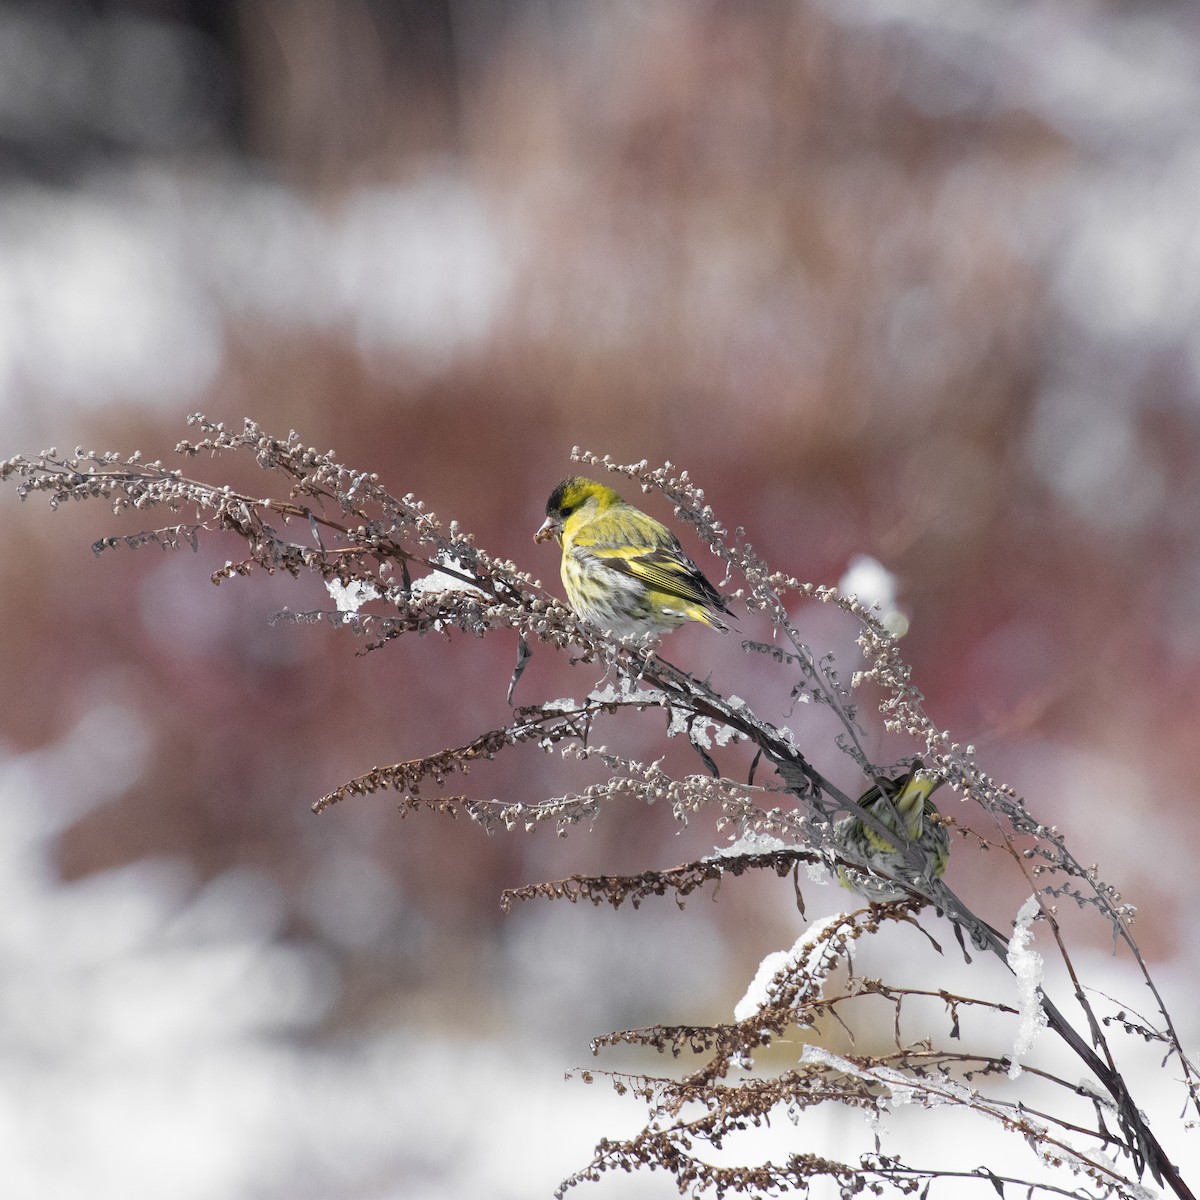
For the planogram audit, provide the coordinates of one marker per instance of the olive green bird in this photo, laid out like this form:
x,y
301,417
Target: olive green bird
x,y
623,570
903,805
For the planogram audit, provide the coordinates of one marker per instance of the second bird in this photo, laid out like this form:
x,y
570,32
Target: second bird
x,y
903,805
623,570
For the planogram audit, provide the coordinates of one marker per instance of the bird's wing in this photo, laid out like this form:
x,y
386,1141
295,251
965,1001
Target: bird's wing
x,y
666,571
639,546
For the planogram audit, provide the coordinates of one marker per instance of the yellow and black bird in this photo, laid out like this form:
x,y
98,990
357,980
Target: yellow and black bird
x,y
623,570
903,805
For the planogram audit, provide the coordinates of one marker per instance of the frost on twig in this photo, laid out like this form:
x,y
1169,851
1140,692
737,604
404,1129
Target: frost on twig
x,y
1026,964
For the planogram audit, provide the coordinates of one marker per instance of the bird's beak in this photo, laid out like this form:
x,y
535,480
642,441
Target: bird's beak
x,y
545,531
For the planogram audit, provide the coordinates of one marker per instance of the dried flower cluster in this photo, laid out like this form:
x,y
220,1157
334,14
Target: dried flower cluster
x,y
420,576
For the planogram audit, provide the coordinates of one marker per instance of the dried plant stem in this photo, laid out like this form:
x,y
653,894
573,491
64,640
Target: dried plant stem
x,y
412,574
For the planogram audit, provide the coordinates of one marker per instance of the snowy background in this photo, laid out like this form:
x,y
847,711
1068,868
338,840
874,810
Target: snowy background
x,y
915,280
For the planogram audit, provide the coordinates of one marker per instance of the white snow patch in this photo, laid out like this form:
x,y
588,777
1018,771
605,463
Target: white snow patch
x,y
350,597
1026,964
811,952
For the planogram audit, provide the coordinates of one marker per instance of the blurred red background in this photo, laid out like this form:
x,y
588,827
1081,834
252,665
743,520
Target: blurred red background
x,y
911,284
